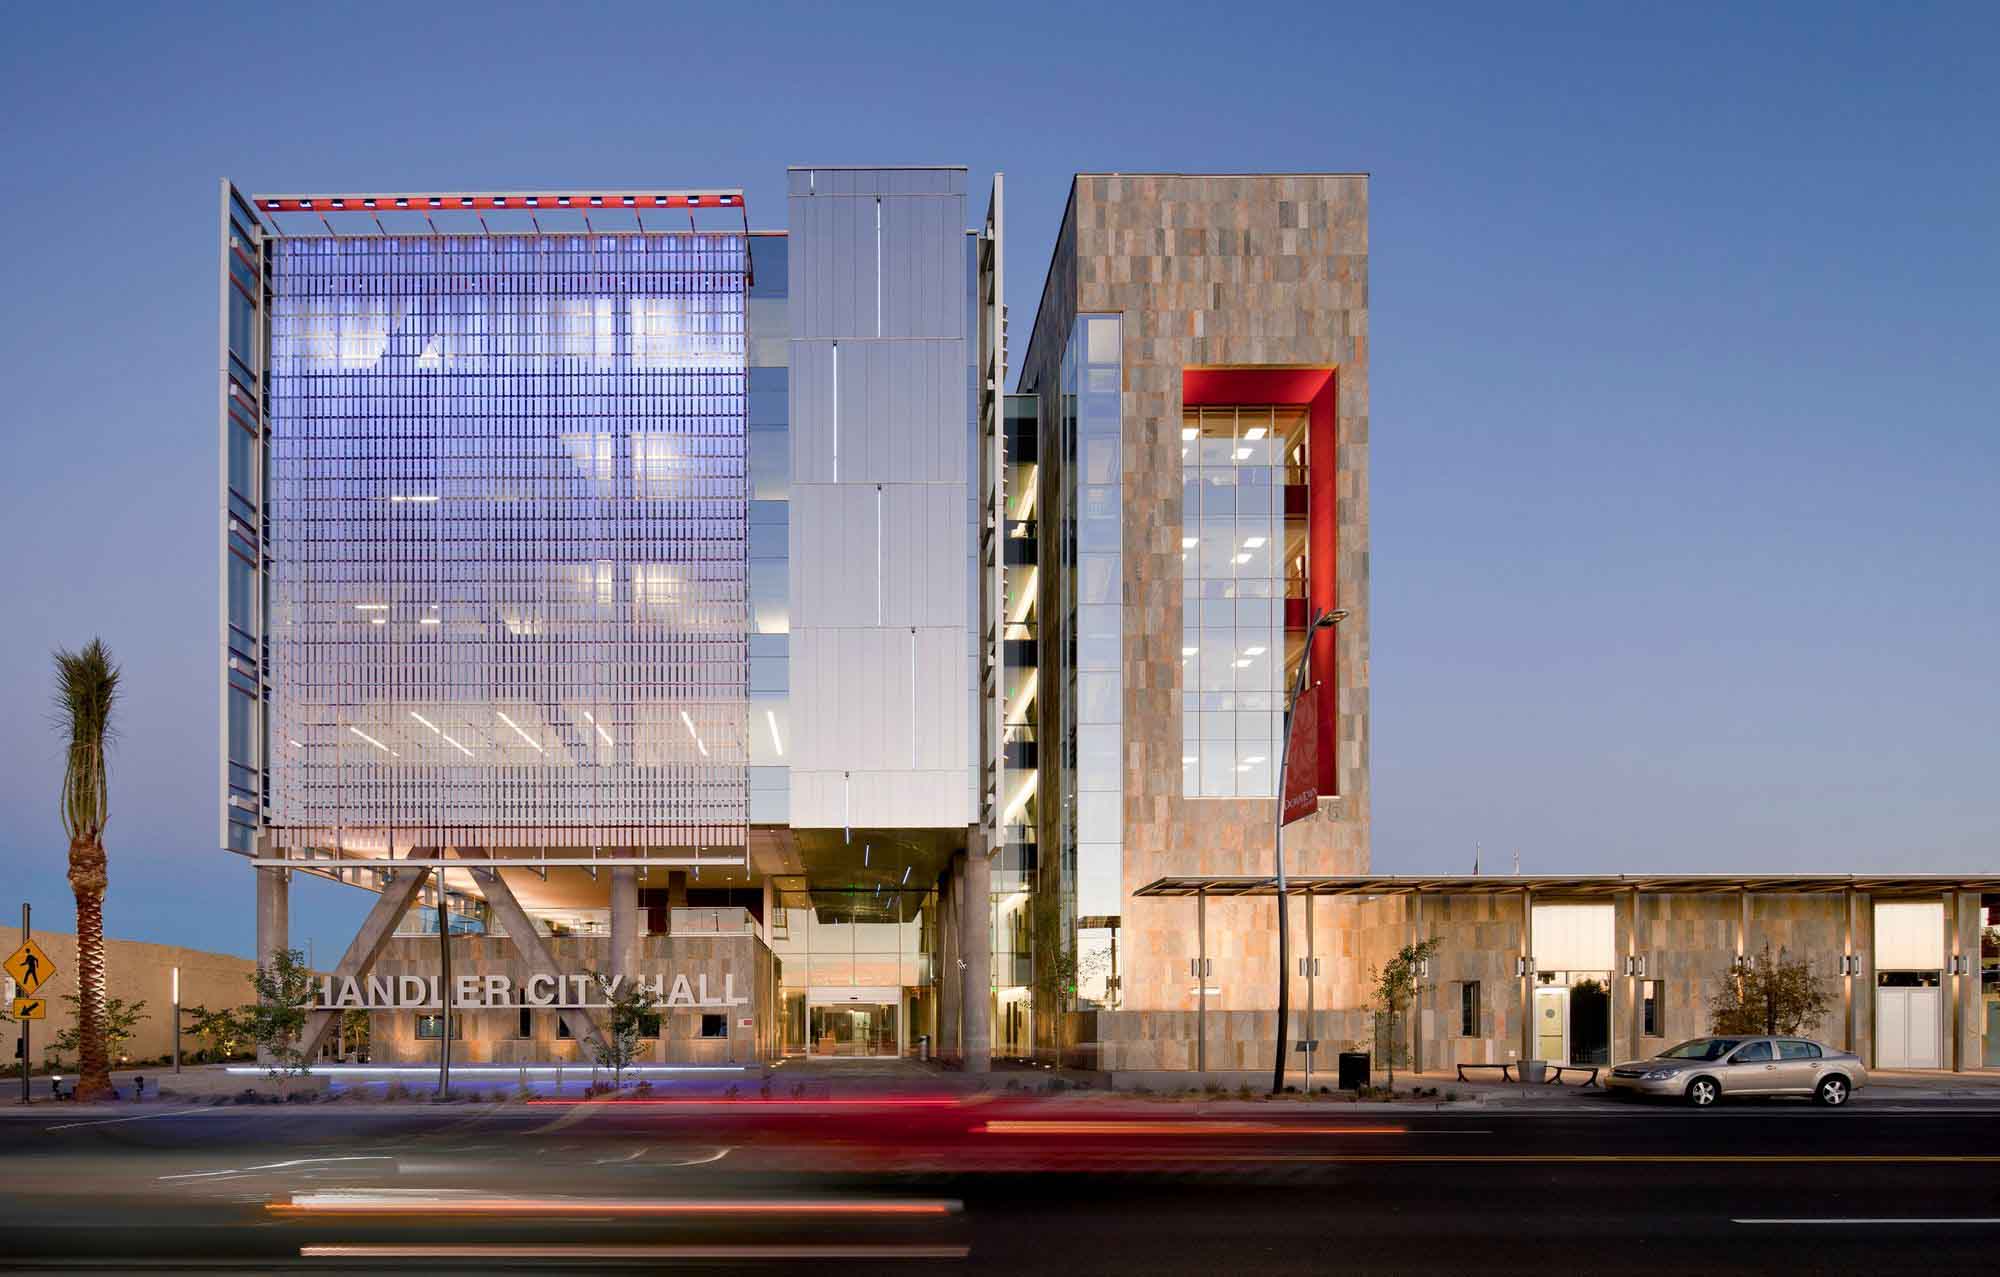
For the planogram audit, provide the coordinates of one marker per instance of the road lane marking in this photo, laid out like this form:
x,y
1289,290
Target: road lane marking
x,y
1882,1220
279,1166
137,1117
575,1251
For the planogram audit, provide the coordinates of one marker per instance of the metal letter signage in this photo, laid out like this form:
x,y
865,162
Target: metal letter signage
x,y
482,992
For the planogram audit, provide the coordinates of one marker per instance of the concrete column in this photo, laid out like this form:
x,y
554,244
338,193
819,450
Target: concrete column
x,y
1527,981
625,926
274,912
976,947
951,983
1635,984
274,918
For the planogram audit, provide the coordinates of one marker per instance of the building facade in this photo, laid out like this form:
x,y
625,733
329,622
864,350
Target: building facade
x,y
623,591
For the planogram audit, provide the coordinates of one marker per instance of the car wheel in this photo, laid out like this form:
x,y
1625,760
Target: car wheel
x,y
1832,1091
1703,1092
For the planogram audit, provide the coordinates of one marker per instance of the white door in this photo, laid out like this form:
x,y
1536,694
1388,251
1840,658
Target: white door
x,y
1906,1028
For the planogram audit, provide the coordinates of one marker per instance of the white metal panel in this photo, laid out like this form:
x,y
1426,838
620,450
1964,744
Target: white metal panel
x,y
1907,1029
1575,938
1909,935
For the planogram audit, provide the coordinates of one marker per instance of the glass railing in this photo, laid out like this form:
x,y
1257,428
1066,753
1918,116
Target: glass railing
x,y
726,921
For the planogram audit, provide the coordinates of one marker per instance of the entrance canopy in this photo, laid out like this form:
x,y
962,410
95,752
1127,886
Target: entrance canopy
x,y
1567,884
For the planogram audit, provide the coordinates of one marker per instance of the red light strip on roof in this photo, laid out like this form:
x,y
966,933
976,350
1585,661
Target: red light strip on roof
x,y
481,203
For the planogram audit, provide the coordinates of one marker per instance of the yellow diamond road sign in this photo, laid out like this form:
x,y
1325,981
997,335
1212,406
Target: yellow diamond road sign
x,y
31,1009
30,967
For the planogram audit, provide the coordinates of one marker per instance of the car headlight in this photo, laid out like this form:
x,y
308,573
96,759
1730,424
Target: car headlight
x,y
1661,1075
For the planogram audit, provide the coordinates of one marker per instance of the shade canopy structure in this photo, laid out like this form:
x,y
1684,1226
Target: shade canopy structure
x,y
1220,885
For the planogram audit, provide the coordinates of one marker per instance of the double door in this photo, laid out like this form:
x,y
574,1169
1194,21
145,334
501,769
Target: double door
x,y
1907,1028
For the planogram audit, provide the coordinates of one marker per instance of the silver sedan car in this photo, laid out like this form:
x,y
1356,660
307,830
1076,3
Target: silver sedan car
x,y
1704,1070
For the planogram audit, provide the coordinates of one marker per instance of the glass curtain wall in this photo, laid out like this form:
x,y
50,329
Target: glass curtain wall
x,y
1090,629
1018,557
509,499
1241,559
246,745
873,940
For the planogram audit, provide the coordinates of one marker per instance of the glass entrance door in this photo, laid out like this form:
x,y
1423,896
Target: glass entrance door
x,y
854,1029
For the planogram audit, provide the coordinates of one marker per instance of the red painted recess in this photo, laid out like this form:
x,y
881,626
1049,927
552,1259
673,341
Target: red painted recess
x,y
1316,389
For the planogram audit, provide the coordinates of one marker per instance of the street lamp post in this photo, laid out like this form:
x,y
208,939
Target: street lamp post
x,y
1324,621
177,1019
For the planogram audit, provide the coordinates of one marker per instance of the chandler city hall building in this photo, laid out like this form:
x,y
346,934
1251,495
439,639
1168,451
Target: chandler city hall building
x,y
614,586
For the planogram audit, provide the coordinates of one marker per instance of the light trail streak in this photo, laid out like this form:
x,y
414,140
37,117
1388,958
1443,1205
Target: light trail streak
x,y
379,1205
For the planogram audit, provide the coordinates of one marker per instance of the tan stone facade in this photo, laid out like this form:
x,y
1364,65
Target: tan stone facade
x,y
1207,271
136,972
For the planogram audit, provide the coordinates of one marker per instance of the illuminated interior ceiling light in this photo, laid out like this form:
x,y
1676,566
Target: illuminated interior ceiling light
x,y
627,201
402,203
430,620
499,201
1242,454
1189,543
435,202
523,735
1020,799
1242,661
906,876
465,201
600,728
379,620
1188,433
1254,758
1254,651
771,717
1187,758
532,201
371,740
1242,558
1254,543
371,607
562,201
689,722
1027,604
865,851
425,721
1254,432
295,744
1189,651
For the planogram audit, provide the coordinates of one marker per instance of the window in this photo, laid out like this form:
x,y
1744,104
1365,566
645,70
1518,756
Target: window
x,y
649,1024
1798,1050
430,1027
562,1027
1754,1053
1468,1009
1237,552
1651,1000
524,1026
714,1026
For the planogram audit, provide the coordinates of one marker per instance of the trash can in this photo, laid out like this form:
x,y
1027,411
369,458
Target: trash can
x,y
924,1047
1534,1070
1353,1070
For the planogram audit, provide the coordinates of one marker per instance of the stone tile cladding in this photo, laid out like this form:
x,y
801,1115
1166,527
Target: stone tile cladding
x,y
1217,270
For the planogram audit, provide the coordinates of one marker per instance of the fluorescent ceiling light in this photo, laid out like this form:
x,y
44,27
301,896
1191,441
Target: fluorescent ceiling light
x,y
523,735
1254,651
1188,543
429,620
425,721
1188,432
1187,758
1242,454
380,620
371,607
371,740
1254,432
295,744
1253,543
1189,651
906,876
1242,661
692,732
1242,558
771,717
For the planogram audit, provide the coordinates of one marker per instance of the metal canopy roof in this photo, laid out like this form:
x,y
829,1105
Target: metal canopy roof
x,y
1567,884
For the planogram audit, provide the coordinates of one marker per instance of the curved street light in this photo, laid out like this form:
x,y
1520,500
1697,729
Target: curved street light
x,y
1324,621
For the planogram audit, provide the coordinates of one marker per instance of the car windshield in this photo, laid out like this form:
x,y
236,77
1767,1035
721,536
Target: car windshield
x,y
1701,1049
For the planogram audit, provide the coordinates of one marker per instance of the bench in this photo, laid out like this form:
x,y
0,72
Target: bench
x,y
1505,1074
1556,1072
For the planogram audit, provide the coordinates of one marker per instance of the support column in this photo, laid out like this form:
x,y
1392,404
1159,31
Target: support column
x,y
1201,983
976,947
274,917
1635,980
625,922
1742,921
1951,1012
274,912
1847,978
951,986
1527,981
395,900
1423,982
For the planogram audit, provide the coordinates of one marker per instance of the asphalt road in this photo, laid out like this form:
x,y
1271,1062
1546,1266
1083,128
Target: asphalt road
x,y
1000,1186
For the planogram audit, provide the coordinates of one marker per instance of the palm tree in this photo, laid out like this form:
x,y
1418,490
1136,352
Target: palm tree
x,y
86,690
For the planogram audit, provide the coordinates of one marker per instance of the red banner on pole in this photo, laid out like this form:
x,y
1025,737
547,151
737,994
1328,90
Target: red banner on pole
x,y
1302,762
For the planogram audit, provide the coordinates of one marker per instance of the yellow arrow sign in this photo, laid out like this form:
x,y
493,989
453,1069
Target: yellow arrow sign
x,y
31,1008
30,967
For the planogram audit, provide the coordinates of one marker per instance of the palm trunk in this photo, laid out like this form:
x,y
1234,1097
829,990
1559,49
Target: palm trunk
x,y
87,881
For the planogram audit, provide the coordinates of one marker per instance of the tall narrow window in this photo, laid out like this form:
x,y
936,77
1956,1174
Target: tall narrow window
x,y
1651,1013
1468,1009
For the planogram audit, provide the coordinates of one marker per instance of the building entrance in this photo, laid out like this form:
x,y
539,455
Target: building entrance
x,y
1908,1018
849,1030
1573,1017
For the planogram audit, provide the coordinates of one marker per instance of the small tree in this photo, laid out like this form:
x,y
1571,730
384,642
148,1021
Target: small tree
x,y
628,1007
1397,985
276,1022
226,1031
120,1020
1766,994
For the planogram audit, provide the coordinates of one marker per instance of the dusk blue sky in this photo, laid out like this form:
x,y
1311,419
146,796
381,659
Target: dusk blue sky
x,y
1685,448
